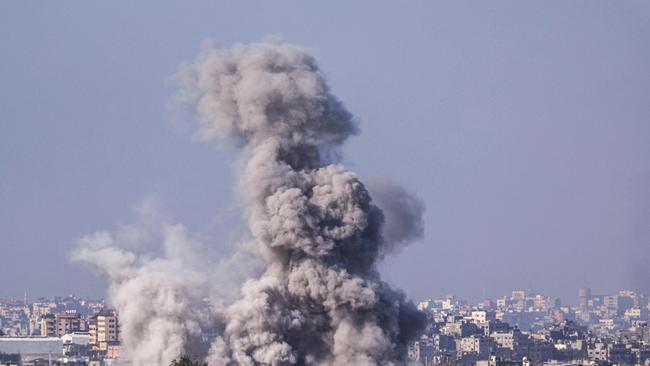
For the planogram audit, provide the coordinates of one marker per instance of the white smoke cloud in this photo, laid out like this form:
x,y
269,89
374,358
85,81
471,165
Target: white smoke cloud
x,y
318,299
169,297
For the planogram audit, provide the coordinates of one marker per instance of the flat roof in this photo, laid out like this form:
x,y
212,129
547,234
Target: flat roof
x,y
31,345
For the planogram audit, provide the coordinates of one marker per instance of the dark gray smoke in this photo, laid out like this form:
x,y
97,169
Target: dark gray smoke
x,y
402,210
319,299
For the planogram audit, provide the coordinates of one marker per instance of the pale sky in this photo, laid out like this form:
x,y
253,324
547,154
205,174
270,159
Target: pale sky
x,y
523,126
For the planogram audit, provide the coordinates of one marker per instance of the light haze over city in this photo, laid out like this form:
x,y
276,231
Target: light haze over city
x,y
524,129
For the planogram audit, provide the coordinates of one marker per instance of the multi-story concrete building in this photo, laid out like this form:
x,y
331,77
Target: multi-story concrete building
x,y
477,344
611,302
104,329
67,323
538,351
48,326
620,353
511,339
597,352
492,326
458,328
483,316
113,349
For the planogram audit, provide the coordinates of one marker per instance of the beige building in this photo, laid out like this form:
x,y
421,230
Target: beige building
x,y
483,316
113,349
104,330
48,326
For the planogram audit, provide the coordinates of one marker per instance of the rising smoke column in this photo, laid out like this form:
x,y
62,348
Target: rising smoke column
x,y
159,298
320,300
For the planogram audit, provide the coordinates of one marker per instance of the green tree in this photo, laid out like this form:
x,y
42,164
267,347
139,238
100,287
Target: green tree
x,y
186,361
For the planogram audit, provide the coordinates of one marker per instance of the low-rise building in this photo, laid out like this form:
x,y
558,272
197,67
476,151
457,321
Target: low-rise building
x,y
30,348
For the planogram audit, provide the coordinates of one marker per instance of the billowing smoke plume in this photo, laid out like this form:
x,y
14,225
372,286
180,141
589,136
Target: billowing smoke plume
x,y
402,211
319,299
159,299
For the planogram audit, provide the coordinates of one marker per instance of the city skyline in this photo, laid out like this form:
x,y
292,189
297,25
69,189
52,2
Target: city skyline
x,y
519,328
476,299
35,298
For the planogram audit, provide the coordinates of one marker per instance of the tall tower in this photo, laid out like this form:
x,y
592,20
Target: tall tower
x,y
585,295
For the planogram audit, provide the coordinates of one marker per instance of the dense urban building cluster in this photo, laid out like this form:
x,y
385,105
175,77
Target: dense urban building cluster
x,y
525,329
521,329
58,331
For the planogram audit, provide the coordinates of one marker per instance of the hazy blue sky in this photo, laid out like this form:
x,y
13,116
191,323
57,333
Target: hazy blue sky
x,y
525,128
